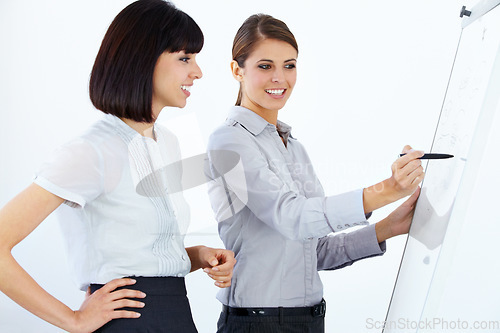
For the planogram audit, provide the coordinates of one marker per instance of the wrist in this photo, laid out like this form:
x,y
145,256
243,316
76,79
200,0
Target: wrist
x,y
383,230
74,322
379,195
390,193
195,254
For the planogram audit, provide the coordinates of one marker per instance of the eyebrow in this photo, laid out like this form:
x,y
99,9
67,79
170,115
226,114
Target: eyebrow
x,y
268,60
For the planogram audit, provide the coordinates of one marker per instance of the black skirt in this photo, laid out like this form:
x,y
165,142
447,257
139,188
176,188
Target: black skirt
x,y
167,308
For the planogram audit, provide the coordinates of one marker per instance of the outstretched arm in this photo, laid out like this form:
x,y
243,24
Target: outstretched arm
x,y
17,220
343,249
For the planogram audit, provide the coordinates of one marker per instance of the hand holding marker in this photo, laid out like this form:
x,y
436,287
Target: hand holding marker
x,y
432,156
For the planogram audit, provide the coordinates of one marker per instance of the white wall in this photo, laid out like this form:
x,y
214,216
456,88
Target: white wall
x,y
372,77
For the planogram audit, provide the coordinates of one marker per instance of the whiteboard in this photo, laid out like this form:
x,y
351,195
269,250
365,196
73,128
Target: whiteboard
x,y
448,276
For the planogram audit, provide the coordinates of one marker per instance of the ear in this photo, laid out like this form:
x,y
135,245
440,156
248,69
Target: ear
x,y
237,71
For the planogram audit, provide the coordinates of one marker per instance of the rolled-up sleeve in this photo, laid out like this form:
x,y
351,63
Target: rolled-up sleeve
x,y
256,184
74,172
345,210
344,249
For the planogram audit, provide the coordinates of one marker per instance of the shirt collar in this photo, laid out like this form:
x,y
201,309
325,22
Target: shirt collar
x,y
254,123
122,128
284,130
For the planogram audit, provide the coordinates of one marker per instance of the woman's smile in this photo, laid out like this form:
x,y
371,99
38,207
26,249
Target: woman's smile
x,y
276,93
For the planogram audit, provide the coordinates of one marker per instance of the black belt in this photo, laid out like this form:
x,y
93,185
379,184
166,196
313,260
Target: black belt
x,y
317,310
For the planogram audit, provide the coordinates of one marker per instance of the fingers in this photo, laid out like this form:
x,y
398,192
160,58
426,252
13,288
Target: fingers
x,y
418,176
221,281
213,262
221,274
116,283
127,303
126,293
410,156
111,294
222,262
408,166
413,198
223,268
413,172
407,172
406,149
223,284
417,191
125,314
108,303
119,298
400,219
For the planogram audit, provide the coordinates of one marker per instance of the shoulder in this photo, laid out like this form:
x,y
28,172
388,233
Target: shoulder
x,y
98,136
90,147
231,133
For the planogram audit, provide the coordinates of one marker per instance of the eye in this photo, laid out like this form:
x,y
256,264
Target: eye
x,y
184,59
264,66
290,66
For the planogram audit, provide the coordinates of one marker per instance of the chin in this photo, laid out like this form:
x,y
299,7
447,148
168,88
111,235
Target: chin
x,y
276,106
181,105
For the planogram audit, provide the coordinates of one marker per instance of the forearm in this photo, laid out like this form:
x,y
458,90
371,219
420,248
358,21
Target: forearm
x,y
343,249
379,195
383,230
18,285
18,219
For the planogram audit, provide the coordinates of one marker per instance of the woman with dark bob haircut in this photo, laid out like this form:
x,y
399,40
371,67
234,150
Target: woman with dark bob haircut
x,y
272,210
123,227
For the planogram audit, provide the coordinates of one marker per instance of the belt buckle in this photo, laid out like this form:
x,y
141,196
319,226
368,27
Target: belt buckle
x,y
256,312
319,310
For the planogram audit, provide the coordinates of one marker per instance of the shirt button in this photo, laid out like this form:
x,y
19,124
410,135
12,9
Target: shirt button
x,y
183,257
179,275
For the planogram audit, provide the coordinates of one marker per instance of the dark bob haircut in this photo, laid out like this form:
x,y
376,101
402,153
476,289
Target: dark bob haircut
x,y
121,82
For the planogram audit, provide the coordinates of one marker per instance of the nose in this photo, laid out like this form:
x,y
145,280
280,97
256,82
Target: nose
x,y
196,73
278,75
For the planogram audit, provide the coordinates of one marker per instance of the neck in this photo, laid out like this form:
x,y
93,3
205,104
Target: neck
x,y
271,116
144,129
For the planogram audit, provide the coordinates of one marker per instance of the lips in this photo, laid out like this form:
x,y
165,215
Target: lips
x,y
186,89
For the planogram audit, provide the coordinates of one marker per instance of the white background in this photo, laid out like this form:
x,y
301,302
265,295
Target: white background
x,y
372,78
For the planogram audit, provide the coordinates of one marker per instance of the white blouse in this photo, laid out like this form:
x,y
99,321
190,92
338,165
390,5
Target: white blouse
x,y
120,218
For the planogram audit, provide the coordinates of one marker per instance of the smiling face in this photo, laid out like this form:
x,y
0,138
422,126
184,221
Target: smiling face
x,y
173,77
268,77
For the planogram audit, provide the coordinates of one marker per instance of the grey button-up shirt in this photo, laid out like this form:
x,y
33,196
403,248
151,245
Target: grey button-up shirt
x,y
273,213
